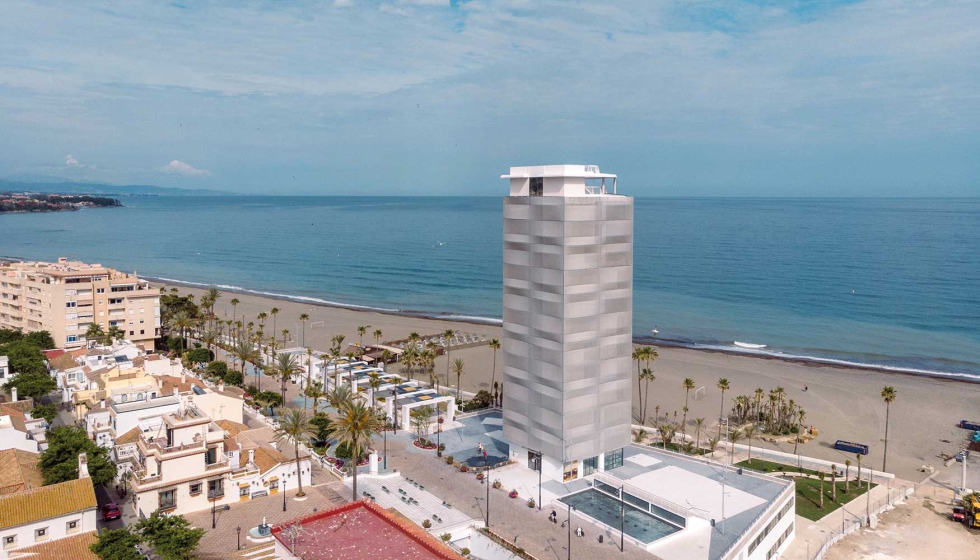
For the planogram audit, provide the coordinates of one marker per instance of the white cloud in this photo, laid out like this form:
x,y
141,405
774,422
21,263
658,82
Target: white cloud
x,y
70,161
182,168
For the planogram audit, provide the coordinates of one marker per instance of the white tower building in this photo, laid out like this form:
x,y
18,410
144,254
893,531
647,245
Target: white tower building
x,y
568,315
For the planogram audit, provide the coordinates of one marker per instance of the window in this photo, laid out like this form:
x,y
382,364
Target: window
x,y
216,488
211,455
142,331
195,488
614,459
274,485
72,526
571,471
141,310
41,534
590,465
100,290
9,542
131,333
243,491
168,499
537,186
141,321
72,338
71,304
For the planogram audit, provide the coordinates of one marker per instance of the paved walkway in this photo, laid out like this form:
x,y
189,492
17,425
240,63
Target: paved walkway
x,y
414,501
222,539
509,518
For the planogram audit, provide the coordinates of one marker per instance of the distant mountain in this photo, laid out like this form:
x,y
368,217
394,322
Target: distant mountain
x,y
102,189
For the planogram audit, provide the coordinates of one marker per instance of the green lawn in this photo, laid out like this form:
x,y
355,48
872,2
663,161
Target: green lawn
x,y
763,466
808,489
808,497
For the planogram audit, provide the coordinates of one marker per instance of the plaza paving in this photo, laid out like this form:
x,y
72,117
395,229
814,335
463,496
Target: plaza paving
x,y
222,540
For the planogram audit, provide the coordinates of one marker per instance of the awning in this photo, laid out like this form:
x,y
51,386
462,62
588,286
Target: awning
x,y
273,479
243,485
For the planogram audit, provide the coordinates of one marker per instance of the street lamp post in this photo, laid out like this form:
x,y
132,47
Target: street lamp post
x,y
387,425
569,531
439,431
284,495
239,531
213,511
622,520
486,480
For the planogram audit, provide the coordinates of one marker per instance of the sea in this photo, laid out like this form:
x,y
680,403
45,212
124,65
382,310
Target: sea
x,y
884,283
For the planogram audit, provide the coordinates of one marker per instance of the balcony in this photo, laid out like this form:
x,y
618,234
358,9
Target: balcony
x,y
160,445
216,465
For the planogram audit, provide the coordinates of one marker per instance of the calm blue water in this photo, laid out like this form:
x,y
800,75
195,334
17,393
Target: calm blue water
x,y
888,282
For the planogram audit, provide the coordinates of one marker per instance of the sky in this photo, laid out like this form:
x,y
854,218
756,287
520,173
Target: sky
x,y
430,97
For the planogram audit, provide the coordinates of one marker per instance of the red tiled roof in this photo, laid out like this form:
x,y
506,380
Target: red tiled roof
x,y
361,531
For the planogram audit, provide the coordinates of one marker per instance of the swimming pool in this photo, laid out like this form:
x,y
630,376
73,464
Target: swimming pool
x,y
606,509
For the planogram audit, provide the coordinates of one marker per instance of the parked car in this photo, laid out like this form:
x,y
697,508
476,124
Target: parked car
x,y
111,511
959,513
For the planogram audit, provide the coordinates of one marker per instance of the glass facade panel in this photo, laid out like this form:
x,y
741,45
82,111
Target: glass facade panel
x,y
614,459
590,466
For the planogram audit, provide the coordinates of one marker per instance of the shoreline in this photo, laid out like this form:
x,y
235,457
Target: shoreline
x,y
812,361
842,402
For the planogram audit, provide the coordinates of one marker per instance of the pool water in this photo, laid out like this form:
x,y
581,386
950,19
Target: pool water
x,y
606,509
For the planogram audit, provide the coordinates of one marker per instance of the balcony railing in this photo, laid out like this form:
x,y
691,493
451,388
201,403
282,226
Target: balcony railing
x,y
161,445
216,465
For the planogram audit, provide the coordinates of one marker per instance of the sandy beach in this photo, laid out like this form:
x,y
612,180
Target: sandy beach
x,y
843,403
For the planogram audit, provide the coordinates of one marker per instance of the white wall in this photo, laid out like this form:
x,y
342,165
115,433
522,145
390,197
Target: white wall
x,y
57,528
11,438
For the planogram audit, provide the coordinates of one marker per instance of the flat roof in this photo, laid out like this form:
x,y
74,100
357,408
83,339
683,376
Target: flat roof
x,y
562,170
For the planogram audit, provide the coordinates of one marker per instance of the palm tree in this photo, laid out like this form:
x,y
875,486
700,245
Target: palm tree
x,y
386,356
458,366
244,351
494,345
114,333
209,336
647,376
234,309
858,455
314,390
889,394
293,425
759,393
303,318
338,341
724,386
377,337
734,438
413,338
340,397
649,355
821,476
285,333
95,332
374,381
274,311
698,425
750,432
262,316
638,357
285,367
355,427
713,443
800,416
847,472
833,482
361,331
182,321
449,334
688,385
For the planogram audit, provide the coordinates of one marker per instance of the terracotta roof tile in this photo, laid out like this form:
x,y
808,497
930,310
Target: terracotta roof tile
x,y
46,502
19,471
63,362
233,428
129,437
68,548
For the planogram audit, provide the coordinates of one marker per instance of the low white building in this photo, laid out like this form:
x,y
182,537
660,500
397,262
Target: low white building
x,y
48,513
4,369
19,430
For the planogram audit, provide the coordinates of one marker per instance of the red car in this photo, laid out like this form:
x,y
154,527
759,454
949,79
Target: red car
x,y
959,514
110,512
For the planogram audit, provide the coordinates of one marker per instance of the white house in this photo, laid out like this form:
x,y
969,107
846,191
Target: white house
x,y
17,430
4,369
47,513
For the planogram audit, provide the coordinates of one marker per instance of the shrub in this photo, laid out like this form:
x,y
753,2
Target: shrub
x,y
530,503
426,524
465,551
497,484
218,369
482,399
464,468
46,411
446,537
442,447
449,460
234,378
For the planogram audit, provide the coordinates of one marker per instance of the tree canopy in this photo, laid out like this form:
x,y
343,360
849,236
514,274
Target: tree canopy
x,y
59,463
117,544
171,536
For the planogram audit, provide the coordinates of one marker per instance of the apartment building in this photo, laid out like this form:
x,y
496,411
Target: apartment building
x,y
65,297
